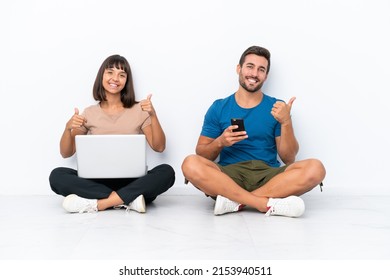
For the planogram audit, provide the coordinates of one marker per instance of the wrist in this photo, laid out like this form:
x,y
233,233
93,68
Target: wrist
x,y
286,122
218,143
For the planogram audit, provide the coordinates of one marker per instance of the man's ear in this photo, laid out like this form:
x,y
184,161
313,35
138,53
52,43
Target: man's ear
x,y
238,69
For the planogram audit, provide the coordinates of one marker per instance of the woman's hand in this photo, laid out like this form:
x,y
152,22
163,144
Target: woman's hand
x,y
76,121
146,105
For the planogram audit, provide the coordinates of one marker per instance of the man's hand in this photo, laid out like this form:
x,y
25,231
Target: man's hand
x,y
229,138
282,111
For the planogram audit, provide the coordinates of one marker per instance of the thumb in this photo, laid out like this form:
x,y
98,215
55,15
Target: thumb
x,y
149,97
290,103
76,111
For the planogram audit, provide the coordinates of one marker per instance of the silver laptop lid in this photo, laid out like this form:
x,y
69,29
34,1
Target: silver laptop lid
x,y
111,156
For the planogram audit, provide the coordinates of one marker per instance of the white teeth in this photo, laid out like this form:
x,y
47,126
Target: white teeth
x,y
113,85
252,80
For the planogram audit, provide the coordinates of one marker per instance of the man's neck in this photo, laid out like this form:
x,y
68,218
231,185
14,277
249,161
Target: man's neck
x,y
247,99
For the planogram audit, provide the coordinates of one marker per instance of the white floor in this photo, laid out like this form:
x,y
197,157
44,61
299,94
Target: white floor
x,y
183,227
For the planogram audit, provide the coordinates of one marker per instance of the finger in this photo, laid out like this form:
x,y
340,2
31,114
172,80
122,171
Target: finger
x,y
291,101
277,103
231,127
149,97
80,117
78,120
274,115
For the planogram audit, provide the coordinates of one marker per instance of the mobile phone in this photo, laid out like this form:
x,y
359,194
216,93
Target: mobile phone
x,y
239,122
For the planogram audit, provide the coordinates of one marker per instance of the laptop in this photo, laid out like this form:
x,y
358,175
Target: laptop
x,y
111,156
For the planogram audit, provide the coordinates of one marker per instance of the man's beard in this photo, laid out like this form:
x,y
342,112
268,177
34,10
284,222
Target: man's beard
x,y
253,89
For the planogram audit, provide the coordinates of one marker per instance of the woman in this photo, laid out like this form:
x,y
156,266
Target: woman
x,y
117,112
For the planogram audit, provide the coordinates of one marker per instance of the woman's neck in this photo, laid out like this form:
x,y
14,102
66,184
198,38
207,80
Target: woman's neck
x,y
112,106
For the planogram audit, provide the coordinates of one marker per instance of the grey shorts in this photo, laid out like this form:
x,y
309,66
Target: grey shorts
x,y
251,175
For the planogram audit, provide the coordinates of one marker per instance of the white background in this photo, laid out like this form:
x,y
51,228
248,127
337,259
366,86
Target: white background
x,y
332,55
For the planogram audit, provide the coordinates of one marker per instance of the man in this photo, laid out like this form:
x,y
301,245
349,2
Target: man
x,y
248,172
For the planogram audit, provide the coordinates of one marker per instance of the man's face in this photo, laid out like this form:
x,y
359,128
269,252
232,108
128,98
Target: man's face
x,y
253,72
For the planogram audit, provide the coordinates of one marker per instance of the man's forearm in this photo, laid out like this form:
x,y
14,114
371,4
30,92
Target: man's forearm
x,y
289,146
209,150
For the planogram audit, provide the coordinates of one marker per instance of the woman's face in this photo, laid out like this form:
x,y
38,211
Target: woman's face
x,y
114,80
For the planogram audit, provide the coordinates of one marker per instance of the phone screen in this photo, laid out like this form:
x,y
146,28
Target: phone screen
x,y
239,122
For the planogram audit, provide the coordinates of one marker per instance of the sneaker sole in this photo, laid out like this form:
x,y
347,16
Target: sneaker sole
x,y
217,206
142,208
67,203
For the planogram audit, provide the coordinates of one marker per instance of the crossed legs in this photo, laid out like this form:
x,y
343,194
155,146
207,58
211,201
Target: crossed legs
x,y
297,179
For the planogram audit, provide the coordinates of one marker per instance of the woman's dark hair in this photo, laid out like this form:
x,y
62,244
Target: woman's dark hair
x,y
127,93
257,51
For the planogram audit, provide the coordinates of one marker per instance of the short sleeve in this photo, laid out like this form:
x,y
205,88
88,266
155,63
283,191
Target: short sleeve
x,y
211,124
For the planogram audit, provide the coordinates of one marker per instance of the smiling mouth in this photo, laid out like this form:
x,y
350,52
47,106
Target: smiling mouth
x,y
252,80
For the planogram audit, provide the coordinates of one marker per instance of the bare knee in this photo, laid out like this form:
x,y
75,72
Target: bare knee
x,y
314,172
190,166
197,168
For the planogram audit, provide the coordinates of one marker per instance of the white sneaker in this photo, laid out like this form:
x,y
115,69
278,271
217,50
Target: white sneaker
x,y
137,204
224,205
292,206
75,204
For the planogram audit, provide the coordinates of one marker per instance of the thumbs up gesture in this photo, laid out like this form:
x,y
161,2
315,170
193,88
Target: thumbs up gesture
x,y
282,111
146,105
76,120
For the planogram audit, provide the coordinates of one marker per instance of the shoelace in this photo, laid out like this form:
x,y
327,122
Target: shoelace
x,y
232,205
271,209
88,209
284,206
127,207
